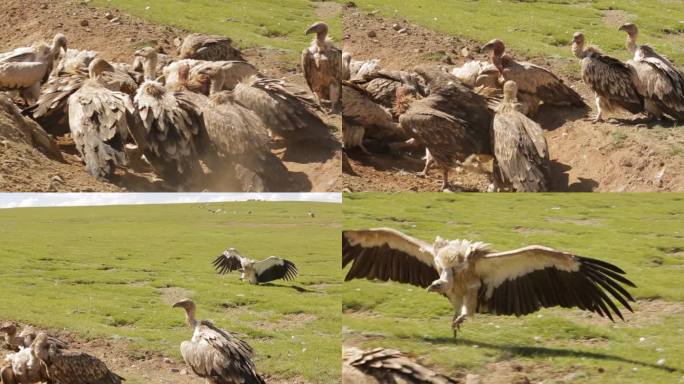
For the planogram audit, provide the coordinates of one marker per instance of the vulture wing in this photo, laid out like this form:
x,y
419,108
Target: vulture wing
x,y
77,367
225,264
612,80
387,254
7,375
382,365
21,75
51,109
275,268
308,67
524,280
661,83
537,80
219,355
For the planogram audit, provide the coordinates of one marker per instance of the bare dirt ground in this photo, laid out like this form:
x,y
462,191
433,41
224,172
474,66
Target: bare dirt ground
x,y
147,367
86,27
624,155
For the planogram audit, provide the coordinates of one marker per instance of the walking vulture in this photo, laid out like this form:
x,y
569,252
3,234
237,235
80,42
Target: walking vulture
x,y
322,65
272,268
520,149
380,365
67,367
612,81
533,80
658,80
215,354
476,279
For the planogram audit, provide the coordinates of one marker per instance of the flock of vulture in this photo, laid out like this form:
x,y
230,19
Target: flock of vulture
x,y
208,111
480,116
214,354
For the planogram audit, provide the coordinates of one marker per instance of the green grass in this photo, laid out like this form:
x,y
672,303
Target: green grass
x,y
642,233
276,24
103,271
545,27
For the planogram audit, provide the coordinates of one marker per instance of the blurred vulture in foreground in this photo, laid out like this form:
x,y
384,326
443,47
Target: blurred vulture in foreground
x,y
453,122
100,119
67,367
214,354
383,366
476,279
612,81
533,81
658,80
522,155
264,271
322,66
207,47
23,368
16,340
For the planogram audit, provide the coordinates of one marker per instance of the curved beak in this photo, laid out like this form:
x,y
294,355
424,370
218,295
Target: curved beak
x,y
622,28
311,29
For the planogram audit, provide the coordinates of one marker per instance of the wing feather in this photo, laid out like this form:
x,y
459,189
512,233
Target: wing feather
x,y
224,264
275,268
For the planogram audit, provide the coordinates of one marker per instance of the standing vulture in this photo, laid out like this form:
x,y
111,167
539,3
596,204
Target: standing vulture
x,y
520,148
535,82
264,271
322,65
198,46
658,80
67,367
216,355
453,121
99,119
612,81
476,279
380,366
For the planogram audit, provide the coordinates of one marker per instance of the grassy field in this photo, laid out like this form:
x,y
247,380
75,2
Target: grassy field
x,y
642,233
545,27
276,24
114,271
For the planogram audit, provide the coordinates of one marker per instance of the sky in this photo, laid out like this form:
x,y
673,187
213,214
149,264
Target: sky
x,y
20,200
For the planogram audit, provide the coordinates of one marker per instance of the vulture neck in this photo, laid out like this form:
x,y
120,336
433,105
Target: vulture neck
x,y
497,61
632,42
150,68
321,39
190,317
578,50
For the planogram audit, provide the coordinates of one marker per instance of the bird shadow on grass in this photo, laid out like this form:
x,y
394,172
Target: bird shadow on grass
x,y
535,351
295,287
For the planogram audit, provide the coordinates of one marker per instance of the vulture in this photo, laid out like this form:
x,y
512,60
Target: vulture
x,y
346,65
15,340
264,271
453,121
381,366
216,355
358,69
533,81
198,46
475,73
477,279
322,65
25,368
67,367
520,149
390,88
99,120
658,80
612,81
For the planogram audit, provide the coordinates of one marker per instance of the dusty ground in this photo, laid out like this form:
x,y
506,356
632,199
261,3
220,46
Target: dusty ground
x,y
152,368
585,156
317,169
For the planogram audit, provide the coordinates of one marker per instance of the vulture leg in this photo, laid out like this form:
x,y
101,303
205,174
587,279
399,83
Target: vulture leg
x,y
469,306
445,179
335,97
428,163
653,112
599,103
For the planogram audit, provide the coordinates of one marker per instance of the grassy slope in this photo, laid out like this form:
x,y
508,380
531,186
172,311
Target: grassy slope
x,y
99,271
545,27
643,233
277,24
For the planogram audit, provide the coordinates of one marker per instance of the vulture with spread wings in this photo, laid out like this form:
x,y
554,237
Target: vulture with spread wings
x,y
272,268
476,279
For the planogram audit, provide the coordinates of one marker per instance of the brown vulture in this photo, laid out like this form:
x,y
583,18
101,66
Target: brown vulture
x,y
520,149
15,340
100,120
381,366
67,367
533,81
453,121
612,81
214,354
477,279
658,80
256,272
198,46
322,66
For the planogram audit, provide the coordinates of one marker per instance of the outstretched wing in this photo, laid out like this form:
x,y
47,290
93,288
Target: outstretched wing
x,y
227,263
274,268
524,280
387,254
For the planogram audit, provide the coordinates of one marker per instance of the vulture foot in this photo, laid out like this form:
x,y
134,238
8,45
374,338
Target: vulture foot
x,y
457,322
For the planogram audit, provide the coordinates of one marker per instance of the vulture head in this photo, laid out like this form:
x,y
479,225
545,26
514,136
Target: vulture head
x,y
190,308
453,255
9,328
496,47
59,43
630,28
211,77
41,347
148,53
578,44
148,58
97,66
319,28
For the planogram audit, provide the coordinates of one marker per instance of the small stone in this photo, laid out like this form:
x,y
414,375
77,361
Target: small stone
x,y
108,15
396,27
183,371
177,42
472,379
44,6
403,31
115,20
372,34
168,361
84,23
660,362
175,370
537,339
642,339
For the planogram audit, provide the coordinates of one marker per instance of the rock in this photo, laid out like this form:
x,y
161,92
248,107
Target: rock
x,y
177,42
168,361
183,371
660,362
372,34
472,379
115,20
108,15
403,31
57,179
175,370
84,23
396,27
44,6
